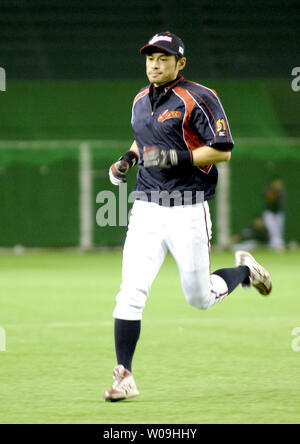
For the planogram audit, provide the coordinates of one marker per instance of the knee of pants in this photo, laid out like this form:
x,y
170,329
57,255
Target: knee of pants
x,y
130,304
196,291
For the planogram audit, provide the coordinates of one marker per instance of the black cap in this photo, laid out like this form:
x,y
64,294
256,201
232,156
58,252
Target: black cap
x,y
167,42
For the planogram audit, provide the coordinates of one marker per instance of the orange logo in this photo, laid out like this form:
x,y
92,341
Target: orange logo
x,y
169,115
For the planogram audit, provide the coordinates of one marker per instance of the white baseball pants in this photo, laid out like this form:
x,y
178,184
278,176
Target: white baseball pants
x,y
275,226
153,230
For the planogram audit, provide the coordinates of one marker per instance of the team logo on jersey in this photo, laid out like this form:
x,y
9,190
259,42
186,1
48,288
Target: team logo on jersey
x,y
221,127
166,114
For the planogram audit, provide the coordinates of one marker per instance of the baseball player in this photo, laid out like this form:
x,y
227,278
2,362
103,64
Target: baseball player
x,y
180,133
273,214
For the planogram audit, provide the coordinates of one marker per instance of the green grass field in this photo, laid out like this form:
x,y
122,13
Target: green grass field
x,y
231,364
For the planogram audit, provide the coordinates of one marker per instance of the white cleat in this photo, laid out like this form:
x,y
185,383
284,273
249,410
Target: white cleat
x,y
259,277
123,387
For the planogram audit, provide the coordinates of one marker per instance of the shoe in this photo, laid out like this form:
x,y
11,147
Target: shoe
x,y
123,387
259,277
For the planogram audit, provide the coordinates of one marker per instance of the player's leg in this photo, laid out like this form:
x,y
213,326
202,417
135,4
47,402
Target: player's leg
x,y
281,224
143,254
270,223
192,253
278,231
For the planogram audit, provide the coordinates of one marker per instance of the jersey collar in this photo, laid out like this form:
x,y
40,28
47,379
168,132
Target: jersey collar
x,y
170,86
176,81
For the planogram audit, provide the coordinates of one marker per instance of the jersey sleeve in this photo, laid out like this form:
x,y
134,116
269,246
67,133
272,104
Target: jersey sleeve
x,y
209,121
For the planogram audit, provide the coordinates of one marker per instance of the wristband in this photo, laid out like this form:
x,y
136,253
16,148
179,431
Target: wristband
x,y
130,157
184,158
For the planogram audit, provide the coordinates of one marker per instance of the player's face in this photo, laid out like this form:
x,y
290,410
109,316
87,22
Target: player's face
x,y
162,68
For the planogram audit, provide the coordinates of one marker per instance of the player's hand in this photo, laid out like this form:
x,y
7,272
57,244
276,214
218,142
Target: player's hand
x,y
118,171
154,156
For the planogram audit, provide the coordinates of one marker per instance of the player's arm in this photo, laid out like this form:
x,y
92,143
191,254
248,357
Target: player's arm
x,y
206,155
135,149
119,169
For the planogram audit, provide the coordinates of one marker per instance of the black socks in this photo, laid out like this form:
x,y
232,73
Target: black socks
x,y
127,334
234,276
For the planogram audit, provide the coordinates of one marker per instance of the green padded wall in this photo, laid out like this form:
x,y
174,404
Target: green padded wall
x,y
39,198
102,109
40,192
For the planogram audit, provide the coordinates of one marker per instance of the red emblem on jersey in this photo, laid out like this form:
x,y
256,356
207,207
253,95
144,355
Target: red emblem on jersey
x,y
166,114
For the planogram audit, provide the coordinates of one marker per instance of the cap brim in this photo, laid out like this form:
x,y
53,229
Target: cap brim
x,y
145,49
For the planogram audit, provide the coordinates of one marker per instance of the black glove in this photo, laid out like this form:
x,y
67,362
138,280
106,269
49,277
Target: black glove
x,y
119,169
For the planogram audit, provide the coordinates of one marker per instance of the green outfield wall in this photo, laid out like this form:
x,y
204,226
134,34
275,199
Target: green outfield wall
x,y
101,109
40,191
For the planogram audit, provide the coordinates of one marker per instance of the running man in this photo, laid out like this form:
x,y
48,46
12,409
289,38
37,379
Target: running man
x,y
180,133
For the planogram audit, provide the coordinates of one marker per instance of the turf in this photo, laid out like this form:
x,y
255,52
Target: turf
x,y
230,364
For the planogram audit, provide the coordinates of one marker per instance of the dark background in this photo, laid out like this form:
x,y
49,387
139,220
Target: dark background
x,y
92,39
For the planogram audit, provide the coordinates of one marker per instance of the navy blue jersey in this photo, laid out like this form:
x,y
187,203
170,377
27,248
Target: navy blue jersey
x,y
186,116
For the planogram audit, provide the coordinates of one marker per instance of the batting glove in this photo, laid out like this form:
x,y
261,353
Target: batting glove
x,y
154,156
119,169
